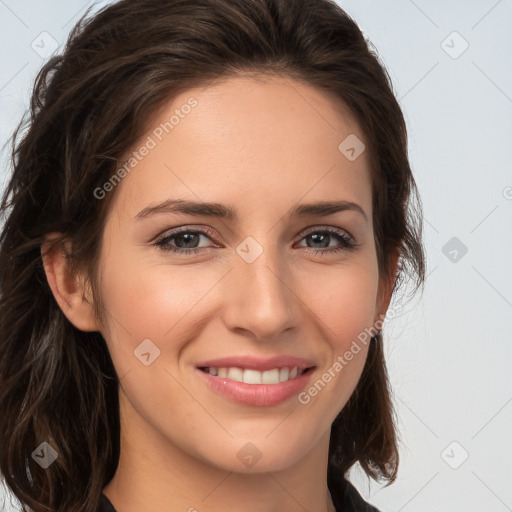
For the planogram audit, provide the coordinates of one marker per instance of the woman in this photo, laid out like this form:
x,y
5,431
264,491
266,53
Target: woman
x,y
207,218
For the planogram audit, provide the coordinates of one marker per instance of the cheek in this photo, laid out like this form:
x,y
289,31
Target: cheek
x,y
345,309
344,301
151,301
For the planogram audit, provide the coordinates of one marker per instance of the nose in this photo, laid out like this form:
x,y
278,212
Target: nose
x,y
260,296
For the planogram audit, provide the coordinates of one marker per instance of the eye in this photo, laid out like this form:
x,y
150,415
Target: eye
x,y
324,236
184,238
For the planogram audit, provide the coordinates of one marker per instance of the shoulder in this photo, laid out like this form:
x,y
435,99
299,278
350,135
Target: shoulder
x,y
346,497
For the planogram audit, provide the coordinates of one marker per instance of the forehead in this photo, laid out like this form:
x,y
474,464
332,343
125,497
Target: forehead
x,y
265,139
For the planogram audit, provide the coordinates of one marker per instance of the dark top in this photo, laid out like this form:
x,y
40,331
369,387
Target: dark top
x,y
344,495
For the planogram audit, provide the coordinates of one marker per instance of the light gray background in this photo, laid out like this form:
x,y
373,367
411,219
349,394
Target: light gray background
x,y
449,352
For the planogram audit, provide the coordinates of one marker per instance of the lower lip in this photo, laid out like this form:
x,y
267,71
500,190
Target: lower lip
x,y
259,395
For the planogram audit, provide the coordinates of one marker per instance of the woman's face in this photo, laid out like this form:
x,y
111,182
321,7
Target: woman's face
x,y
267,282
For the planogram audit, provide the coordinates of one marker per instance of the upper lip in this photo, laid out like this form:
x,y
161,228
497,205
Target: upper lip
x,y
257,363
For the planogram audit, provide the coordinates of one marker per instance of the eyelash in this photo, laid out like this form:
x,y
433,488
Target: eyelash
x,y
163,243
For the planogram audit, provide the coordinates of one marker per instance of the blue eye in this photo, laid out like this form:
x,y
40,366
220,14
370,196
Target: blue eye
x,y
185,237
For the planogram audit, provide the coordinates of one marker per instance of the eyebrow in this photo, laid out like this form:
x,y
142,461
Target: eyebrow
x,y
323,208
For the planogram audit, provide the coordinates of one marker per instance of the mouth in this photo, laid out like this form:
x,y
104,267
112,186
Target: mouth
x,y
252,376
255,381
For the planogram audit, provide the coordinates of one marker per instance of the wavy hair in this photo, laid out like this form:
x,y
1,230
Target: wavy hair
x,y
89,106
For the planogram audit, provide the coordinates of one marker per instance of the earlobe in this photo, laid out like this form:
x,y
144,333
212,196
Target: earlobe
x,y
68,289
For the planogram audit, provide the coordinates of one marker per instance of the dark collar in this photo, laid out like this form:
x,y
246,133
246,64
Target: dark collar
x,y
105,505
344,495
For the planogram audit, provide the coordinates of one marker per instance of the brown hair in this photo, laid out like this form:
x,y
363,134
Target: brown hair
x,y
89,106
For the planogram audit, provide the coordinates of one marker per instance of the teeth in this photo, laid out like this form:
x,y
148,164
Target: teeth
x,y
284,374
249,376
252,376
236,374
270,376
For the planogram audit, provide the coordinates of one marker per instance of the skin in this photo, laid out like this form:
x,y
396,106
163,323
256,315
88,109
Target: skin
x,y
261,147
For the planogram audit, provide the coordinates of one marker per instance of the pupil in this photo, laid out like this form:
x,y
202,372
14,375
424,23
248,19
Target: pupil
x,y
314,236
187,235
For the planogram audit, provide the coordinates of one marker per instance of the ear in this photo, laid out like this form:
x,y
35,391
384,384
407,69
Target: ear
x,y
68,289
386,288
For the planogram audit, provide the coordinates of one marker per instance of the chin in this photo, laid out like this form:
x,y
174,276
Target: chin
x,y
259,455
